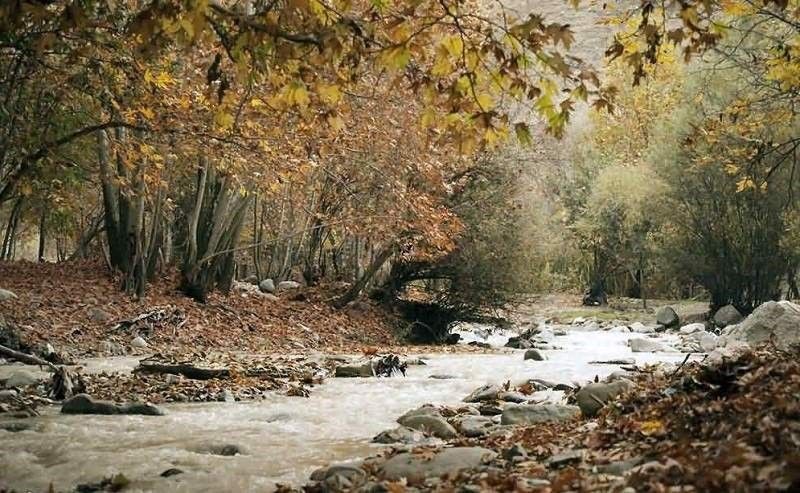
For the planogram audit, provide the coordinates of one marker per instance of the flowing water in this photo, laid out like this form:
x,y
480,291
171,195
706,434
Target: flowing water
x,y
283,438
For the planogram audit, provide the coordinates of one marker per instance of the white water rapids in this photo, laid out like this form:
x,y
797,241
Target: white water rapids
x,y
283,438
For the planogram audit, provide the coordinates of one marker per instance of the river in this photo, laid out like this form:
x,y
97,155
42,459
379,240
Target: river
x,y
283,438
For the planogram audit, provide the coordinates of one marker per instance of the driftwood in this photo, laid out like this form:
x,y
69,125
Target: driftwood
x,y
26,358
187,370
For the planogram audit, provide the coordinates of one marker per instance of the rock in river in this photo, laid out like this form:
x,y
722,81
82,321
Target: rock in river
x,y
20,379
534,354
776,320
433,425
486,392
727,315
475,426
537,413
401,434
592,397
84,404
415,468
667,317
647,346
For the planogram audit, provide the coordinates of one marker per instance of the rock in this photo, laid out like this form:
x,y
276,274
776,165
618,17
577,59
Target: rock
x,y
7,395
647,346
225,450
442,376
268,296
518,343
619,361
6,295
426,410
415,468
692,328
641,328
138,342
99,315
620,329
774,320
15,426
514,397
731,351
708,341
565,458
592,397
489,410
352,371
476,426
267,286
20,379
452,338
486,392
340,477
516,451
226,396
537,413
667,317
483,345
9,336
534,355
401,434
287,285
84,404
727,315
620,467
111,348
432,425
170,472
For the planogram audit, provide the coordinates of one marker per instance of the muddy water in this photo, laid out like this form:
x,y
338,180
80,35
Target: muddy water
x,y
284,438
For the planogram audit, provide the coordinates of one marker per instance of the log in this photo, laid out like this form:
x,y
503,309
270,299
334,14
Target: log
x,y
26,358
187,370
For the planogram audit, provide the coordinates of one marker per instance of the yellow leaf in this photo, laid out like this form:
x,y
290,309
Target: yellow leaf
x,y
223,119
653,427
329,94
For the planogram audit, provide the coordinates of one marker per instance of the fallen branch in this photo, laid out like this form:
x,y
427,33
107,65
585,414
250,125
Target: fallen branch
x,y
26,358
188,371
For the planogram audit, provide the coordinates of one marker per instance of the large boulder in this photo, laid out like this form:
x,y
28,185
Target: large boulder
x,y
534,355
667,317
267,286
647,346
525,414
20,379
6,295
592,397
352,371
401,434
85,404
774,320
727,315
476,426
415,468
432,425
486,392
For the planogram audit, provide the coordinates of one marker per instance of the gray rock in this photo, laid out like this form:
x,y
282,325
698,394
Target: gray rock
x,y
476,426
667,317
707,341
533,354
7,395
138,342
727,315
774,320
648,346
287,285
692,328
516,451
565,458
514,397
426,410
226,396
340,477
225,450
15,426
592,397
619,361
267,286
6,295
432,425
537,413
21,378
620,467
415,468
99,315
401,434
733,350
352,371
111,348
442,376
486,392
84,404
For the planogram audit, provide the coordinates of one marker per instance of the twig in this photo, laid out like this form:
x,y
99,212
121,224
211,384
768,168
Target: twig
x,y
681,365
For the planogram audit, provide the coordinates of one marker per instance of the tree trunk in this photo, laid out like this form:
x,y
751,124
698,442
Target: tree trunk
x,y
372,269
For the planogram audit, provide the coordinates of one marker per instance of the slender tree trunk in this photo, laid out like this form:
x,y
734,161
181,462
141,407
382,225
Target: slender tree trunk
x,y
372,269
